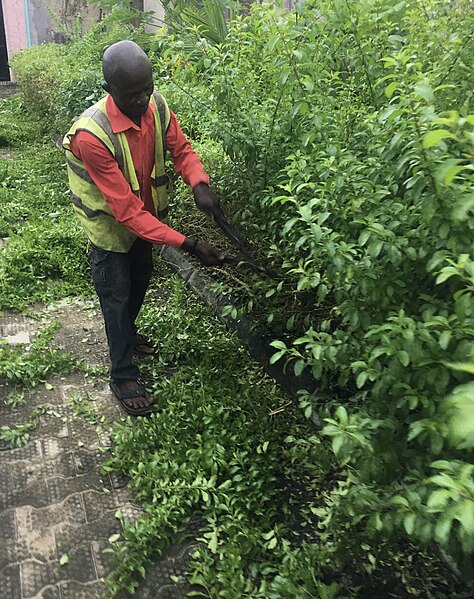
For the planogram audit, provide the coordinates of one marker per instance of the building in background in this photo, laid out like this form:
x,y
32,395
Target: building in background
x,y
26,23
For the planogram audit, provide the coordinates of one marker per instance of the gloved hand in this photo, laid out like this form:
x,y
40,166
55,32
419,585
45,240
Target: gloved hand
x,y
207,254
208,202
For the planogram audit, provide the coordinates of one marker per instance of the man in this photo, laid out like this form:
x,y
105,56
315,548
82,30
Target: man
x,y
116,166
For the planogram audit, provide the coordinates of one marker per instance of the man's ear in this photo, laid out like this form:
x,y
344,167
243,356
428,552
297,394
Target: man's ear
x,y
106,86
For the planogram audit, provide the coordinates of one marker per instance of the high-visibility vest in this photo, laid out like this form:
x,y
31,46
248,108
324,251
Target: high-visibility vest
x,y
90,206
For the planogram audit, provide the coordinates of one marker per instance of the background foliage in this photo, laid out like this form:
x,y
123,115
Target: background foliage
x,y
340,137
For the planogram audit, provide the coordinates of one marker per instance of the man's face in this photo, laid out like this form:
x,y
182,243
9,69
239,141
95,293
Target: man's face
x,y
132,93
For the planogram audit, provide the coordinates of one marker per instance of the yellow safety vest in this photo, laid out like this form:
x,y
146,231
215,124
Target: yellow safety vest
x,y
90,206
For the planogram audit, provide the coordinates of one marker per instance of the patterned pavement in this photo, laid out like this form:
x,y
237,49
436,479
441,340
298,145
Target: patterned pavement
x,y
57,509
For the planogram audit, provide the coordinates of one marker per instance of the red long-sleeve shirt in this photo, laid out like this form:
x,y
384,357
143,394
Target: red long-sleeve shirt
x,y
138,215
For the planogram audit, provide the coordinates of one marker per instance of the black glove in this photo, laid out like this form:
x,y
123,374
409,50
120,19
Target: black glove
x,y
208,202
207,254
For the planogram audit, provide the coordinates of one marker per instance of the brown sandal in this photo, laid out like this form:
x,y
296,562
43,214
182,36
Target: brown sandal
x,y
143,347
122,396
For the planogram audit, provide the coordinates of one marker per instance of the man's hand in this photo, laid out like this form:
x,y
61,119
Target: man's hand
x,y
207,254
208,202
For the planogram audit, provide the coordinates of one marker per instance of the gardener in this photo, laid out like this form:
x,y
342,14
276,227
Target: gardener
x,y
116,165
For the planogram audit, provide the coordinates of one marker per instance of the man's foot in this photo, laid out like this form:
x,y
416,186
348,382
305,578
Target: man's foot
x,y
133,397
142,346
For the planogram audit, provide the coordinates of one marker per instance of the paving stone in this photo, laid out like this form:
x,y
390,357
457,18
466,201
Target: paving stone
x,y
32,451
80,565
39,540
62,465
71,589
13,551
118,480
35,494
79,430
52,426
7,525
104,562
51,448
131,513
36,528
84,433
10,582
59,488
16,328
51,592
97,503
87,460
35,576
102,528
51,489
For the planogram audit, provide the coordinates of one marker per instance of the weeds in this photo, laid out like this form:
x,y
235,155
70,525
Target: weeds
x,y
44,256
29,368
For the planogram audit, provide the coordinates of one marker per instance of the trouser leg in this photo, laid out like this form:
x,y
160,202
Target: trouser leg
x,y
141,266
111,274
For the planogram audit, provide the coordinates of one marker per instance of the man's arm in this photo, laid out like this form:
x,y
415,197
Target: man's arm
x,y
126,207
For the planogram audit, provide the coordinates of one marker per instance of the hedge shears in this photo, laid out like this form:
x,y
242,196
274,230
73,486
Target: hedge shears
x,y
247,260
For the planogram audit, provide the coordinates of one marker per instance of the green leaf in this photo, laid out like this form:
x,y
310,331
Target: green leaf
x,y
272,543
425,91
442,530
361,378
337,442
409,523
299,367
434,137
438,499
463,366
114,538
276,356
403,357
212,544
451,173
64,559
465,515
272,42
444,339
390,89
341,414
446,274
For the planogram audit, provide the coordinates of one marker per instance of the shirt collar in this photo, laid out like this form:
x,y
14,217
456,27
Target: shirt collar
x,y
120,121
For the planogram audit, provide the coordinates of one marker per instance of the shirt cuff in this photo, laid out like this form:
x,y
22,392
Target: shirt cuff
x,y
196,178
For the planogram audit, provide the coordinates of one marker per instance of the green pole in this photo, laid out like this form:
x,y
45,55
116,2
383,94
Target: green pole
x,y
27,19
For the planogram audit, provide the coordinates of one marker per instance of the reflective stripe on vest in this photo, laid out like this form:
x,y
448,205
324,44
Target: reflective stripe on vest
x,y
88,202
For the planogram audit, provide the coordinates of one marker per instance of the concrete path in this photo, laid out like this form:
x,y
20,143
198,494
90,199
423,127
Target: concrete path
x,y
57,510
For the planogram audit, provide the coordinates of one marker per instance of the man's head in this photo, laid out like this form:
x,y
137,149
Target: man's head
x,y
128,77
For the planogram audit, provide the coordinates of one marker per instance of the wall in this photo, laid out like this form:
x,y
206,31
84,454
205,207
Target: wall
x,y
156,7
57,20
15,25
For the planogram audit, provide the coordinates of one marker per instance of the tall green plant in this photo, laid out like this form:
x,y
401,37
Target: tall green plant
x,y
351,142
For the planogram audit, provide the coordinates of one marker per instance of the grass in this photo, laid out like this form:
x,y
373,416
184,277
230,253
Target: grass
x,y
44,254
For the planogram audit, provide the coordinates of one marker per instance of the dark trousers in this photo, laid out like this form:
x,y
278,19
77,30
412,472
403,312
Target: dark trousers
x,y
121,281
